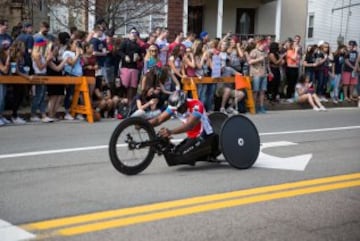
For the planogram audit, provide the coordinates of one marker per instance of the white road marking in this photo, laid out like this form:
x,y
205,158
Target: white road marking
x,y
310,130
294,163
89,148
9,232
39,153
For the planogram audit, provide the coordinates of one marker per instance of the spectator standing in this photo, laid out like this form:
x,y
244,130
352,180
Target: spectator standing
x,y
73,67
5,38
100,50
298,46
247,47
226,90
175,61
339,59
309,63
188,42
204,37
89,60
151,58
235,53
55,92
150,41
17,56
276,61
157,32
40,60
4,70
28,40
292,67
323,62
108,72
179,36
44,32
163,45
349,76
5,42
64,39
90,65
167,83
202,70
259,67
101,23
207,91
130,53
188,66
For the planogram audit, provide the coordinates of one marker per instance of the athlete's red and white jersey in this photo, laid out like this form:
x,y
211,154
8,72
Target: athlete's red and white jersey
x,y
194,108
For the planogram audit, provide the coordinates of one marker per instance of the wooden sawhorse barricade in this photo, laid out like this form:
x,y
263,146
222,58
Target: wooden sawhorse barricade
x,y
81,87
241,82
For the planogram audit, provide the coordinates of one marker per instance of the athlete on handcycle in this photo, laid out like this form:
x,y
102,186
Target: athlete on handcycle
x,y
201,141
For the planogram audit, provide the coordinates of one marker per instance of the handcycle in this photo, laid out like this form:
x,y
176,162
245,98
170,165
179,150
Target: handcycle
x,y
134,143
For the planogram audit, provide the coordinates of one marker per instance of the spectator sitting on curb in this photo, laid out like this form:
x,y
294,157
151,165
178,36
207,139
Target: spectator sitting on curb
x,y
145,104
305,93
102,99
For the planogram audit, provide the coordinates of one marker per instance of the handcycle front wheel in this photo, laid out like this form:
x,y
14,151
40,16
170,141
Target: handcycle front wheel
x,y
127,153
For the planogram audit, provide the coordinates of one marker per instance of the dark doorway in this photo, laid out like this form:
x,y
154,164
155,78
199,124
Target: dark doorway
x,y
195,19
245,21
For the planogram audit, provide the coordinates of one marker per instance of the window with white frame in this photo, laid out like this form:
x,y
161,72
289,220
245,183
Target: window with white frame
x,y
310,30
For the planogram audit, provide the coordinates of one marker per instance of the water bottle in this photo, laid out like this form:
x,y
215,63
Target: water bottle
x,y
12,67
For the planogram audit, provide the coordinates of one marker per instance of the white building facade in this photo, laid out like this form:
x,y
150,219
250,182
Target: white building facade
x,y
333,20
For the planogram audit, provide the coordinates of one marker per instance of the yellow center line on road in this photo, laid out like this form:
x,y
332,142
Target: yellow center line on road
x,y
199,201
116,223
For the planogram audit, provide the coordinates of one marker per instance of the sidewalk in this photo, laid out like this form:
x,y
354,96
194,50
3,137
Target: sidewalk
x,y
284,105
24,112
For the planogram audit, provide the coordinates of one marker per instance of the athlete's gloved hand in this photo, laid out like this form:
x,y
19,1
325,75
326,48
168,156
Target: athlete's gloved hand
x,y
165,133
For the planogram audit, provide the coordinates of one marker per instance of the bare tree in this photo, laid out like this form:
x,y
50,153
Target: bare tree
x,y
117,13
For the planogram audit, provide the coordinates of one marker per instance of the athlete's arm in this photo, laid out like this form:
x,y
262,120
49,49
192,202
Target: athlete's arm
x,y
164,116
190,124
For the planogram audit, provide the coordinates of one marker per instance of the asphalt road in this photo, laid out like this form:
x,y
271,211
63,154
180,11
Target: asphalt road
x,y
57,183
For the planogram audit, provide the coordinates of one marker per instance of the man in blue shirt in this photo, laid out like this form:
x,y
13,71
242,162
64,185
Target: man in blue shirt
x,y
5,38
27,38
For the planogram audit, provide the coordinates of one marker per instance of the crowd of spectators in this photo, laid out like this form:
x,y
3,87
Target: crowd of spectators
x,y
134,76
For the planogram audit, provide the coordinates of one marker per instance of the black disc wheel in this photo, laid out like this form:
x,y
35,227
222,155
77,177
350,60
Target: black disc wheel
x,y
239,141
127,151
217,119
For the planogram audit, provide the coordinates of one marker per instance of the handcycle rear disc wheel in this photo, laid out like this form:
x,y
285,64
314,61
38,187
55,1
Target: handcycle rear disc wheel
x,y
217,120
240,141
127,158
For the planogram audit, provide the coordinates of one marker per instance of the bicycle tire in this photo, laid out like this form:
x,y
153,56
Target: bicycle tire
x,y
118,162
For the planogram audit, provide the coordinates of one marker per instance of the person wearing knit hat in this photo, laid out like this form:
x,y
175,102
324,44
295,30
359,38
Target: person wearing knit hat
x,y
204,35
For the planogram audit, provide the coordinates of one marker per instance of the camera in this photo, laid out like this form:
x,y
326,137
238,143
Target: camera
x,y
78,44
